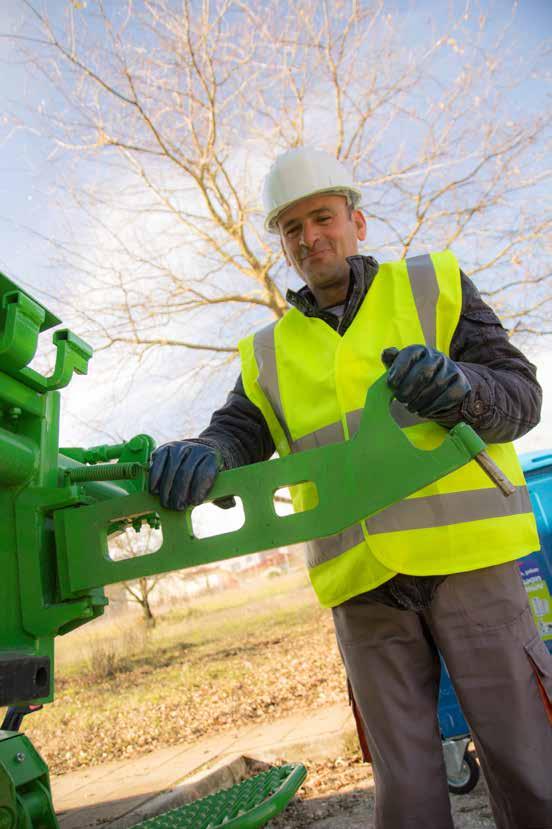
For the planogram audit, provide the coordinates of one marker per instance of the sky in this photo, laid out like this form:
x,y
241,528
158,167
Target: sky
x,y
28,170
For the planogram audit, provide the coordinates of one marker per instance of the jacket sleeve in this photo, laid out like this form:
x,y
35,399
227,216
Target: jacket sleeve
x,y
505,399
239,431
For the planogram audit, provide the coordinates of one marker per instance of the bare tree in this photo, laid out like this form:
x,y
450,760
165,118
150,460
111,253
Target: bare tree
x,y
140,591
172,112
130,544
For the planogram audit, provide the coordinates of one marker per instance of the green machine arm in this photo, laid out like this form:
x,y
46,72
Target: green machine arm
x,y
59,510
353,479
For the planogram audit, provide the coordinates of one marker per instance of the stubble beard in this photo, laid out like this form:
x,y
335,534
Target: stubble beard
x,y
331,276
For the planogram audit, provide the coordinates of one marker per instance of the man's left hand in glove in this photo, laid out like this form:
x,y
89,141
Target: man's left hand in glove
x,y
427,381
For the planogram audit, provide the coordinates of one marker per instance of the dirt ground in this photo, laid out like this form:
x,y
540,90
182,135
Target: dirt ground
x,y
340,795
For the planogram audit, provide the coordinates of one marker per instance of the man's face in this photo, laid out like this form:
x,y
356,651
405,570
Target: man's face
x,y
317,234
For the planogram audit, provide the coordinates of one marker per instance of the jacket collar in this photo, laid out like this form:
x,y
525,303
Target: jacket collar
x,y
362,273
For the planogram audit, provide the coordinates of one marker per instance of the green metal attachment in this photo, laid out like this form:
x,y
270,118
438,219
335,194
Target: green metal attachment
x,y
105,472
354,479
25,798
133,457
23,319
36,481
72,355
248,805
7,287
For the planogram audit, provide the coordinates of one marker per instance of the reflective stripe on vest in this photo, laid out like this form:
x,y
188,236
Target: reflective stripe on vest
x,y
425,290
324,549
265,355
452,508
333,433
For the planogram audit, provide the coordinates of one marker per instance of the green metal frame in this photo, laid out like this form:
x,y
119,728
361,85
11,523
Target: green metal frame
x,y
25,798
342,473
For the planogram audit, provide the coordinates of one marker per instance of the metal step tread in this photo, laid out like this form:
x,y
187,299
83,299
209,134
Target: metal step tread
x,y
247,805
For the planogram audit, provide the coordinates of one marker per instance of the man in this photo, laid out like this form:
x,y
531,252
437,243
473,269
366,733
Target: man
x,y
437,571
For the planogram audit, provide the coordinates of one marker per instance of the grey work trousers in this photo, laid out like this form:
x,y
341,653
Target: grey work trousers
x,y
502,673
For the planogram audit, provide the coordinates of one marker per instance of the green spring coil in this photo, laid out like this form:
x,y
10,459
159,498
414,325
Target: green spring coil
x,y
105,472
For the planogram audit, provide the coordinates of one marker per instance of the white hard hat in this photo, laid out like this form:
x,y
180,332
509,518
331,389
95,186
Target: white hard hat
x,y
304,172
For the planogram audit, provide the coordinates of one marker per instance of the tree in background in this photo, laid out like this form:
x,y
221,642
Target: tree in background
x,y
130,544
171,113
139,591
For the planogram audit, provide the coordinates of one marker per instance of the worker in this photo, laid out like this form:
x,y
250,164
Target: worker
x,y
435,572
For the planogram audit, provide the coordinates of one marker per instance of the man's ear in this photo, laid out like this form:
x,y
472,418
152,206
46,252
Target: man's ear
x,y
286,257
360,224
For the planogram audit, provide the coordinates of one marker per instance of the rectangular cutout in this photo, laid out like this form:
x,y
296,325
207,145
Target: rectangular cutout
x,y
295,498
141,538
208,520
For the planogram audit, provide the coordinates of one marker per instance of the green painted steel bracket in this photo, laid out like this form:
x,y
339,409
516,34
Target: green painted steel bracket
x,y
7,286
21,321
137,451
72,355
44,613
25,797
354,480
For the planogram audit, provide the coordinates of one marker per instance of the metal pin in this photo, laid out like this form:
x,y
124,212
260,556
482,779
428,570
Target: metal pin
x,y
494,472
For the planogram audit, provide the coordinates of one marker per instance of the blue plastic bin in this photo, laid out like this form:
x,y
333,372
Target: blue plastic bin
x,y
536,569
451,719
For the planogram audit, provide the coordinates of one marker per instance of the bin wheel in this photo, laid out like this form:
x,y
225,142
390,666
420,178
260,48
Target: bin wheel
x,y
468,777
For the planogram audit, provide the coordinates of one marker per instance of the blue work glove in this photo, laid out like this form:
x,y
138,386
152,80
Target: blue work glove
x,y
182,473
427,381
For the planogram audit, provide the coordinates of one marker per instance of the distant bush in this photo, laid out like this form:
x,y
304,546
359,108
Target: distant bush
x,y
101,658
105,658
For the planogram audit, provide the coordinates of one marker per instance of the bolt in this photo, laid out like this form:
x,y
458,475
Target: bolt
x,y
14,413
19,757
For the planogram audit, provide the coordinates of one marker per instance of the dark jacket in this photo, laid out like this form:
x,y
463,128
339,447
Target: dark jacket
x,y
503,404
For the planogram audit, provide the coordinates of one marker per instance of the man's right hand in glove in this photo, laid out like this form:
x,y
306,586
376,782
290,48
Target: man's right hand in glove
x,y
182,473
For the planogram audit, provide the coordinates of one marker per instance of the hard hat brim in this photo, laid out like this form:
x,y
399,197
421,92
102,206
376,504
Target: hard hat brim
x,y
271,221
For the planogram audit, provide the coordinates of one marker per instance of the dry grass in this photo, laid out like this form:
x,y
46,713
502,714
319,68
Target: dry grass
x,y
106,656
226,660
116,642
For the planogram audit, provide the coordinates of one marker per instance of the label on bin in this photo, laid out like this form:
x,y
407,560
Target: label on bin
x,y
540,599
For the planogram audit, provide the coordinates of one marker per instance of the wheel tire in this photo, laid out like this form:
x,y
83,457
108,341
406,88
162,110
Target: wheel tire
x,y
468,777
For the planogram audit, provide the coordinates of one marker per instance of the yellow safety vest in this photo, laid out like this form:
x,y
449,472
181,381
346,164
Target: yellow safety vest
x,y
310,384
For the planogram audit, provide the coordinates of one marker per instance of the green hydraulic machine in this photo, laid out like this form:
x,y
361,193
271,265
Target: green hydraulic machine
x,y
60,507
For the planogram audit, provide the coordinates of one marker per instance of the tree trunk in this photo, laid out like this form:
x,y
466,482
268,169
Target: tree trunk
x,y
148,616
